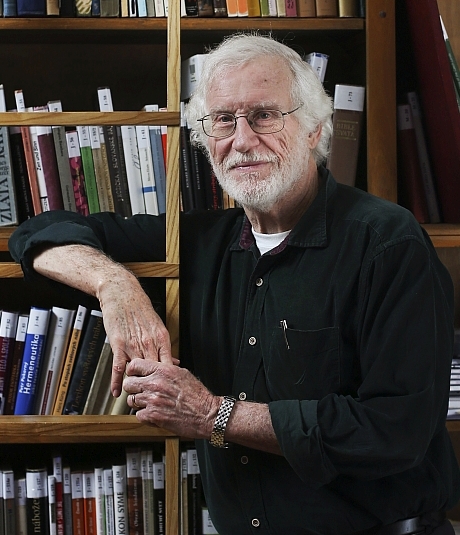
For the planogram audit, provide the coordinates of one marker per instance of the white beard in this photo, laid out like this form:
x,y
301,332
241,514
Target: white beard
x,y
252,192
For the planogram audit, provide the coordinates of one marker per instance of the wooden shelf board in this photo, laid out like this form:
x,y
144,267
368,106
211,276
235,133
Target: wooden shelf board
x,y
77,429
444,235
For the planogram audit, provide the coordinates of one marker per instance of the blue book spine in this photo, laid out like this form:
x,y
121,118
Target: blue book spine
x,y
33,352
95,8
9,8
159,169
31,8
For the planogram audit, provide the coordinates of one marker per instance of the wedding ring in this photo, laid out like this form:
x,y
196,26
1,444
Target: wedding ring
x,y
133,402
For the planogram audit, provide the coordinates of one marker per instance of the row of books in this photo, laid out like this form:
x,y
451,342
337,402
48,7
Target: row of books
x,y
189,8
429,115
101,498
56,361
453,412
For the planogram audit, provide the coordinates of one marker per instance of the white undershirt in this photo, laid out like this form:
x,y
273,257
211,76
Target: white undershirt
x,y
267,242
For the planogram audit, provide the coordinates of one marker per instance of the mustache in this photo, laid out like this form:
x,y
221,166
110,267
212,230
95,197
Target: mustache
x,y
238,159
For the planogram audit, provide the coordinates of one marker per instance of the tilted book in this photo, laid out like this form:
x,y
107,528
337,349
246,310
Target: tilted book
x,y
8,327
453,62
346,133
34,348
12,377
99,391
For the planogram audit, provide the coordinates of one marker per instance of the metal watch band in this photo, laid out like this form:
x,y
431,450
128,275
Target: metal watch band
x,y
218,432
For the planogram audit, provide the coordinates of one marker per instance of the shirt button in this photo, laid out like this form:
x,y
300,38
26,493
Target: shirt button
x,y
259,282
252,341
242,396
244,460
255,522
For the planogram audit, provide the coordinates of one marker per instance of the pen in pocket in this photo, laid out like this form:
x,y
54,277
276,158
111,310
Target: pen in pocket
x,y
283,324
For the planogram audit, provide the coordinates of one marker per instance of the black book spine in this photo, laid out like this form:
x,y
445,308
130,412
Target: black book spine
x,y
21,178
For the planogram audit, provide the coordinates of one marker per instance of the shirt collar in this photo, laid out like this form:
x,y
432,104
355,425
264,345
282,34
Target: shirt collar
x,y
311,230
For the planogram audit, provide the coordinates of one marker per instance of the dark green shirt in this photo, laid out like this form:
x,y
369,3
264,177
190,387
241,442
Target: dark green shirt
x,y
357,383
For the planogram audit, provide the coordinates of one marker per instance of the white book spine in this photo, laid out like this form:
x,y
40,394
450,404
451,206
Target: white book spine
x,y
280,8
104,96
39,167
146,167
21,516
100,500
109,502
8,208
159,8
52,505
73,145
318,62
133,171
272,9
349,97
120,499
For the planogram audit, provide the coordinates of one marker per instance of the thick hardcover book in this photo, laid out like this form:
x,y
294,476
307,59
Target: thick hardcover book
x,y
159,168
120,493
34,348
85,364
21,506
37,500
69,360
191,8
9,502
346,133
62,160
78,514
89,502
101,169
21,177
412,194
327,8
194,492
109,502
50,167
88,168
58,489
67,498
147,490
99,391
8,204
439,103
253,8
31,8
134,490
425,164
306,8
146,166
159,498
52,505
60,325
12,377
133,170
77,173
8,328
348,8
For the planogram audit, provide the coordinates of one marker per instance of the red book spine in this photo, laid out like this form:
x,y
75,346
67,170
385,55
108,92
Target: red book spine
x,y
50,168
76,171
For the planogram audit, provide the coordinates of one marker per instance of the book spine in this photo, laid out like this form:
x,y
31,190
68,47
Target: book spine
x,y
452,60
85,365
184,493
89,502
76,172
272,9
36,500
57,473
147,491
306,8
21,506
253,8
83,8
146,167
327,8
33,352
291,8
281,8
31,8
99,500
44,202
134,490
191,8
242,7
133,170
8,205
188,202
220,8
232,8
10,8
348,8
21,178
109,502
78,515
50,168
120,499
69,360
12,378
8,328
88,168
52,522
193,493
205,8
318,62
67,500
100,385
9,502
101,169
159,497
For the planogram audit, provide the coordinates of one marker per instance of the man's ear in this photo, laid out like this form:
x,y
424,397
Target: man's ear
x,y
314,137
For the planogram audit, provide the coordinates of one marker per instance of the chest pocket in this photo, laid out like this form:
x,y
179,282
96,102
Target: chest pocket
x,y
309,369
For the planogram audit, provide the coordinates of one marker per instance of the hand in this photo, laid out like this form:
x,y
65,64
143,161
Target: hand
x,y
171,397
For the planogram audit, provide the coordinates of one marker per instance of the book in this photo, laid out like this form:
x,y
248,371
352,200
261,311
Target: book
x,y
220,8
306,8
8,328
318,62
2,504
85,364
207,523
29,155
59,493
132,8
39,167
109,502
232,8
67,499
159,168
253,8
34,348
101,169
431,195
52,523
188,201
78,514
134,490
346,132
89,502
99,499
60,325
8,203
348,8
439,103
20,175
120,494
205,8
149,189
12,377
83,8
95,8
191,8
21,510
159,497
62,160
31,8
99,391
242,8
10,8
110,8
191,72
133,169
183,493
120,405
69,360
412,196
452,61
281,8
291,8
148,513
327,8
160,8
194,491
76,172
117,171
37,500
9,502
48,161
88,168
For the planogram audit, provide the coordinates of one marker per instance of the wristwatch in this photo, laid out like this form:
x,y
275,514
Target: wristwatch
x,y
218,431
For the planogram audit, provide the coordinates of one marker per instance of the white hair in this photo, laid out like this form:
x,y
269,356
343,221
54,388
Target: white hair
x,y
239,49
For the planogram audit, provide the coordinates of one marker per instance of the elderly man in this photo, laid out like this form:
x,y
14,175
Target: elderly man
x,y
316,320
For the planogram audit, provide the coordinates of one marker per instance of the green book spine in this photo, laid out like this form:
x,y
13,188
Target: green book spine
x,y
88,168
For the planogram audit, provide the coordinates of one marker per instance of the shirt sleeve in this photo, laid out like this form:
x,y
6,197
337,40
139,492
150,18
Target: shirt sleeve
x,y
404,339
140,238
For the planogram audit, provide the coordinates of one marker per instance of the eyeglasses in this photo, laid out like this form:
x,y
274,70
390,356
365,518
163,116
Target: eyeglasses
x,y
220,125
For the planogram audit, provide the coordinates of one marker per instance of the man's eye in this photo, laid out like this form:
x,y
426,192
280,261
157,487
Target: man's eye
x,y
223,118
264,115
